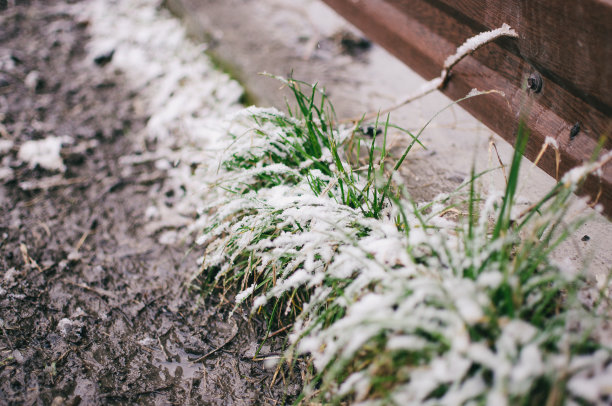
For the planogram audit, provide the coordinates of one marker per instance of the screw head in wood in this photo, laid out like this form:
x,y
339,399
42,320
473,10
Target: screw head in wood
x,y
534,82
575,130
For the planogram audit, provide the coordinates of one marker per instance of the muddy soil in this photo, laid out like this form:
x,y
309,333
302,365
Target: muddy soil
x,y
93,310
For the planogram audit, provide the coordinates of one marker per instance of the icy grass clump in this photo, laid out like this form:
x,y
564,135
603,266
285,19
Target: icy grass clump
x,y
407,306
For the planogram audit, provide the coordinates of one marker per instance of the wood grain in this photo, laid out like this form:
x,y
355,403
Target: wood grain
x,y
565,39
423,33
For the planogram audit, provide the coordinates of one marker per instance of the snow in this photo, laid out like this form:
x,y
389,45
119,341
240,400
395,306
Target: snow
x,y
260,301
242,296
552,142
579,173
490,279
186,99
406,342
575,175
147,341
5,146
9,276
45,153
477,41
469,46
32,79
65,326
529,365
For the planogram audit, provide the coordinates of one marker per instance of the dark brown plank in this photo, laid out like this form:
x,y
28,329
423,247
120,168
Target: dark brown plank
x,y
423,34
565,39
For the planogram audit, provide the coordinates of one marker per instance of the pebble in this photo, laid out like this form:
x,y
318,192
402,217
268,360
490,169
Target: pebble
x,y
18,356
32,80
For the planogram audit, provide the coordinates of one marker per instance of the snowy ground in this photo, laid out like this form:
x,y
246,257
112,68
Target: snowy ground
x,y
196,126
171,158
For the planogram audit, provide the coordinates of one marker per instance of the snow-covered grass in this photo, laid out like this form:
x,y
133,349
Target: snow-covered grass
x,y
448,302
392,301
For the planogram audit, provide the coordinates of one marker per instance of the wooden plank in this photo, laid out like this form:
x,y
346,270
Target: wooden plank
x,y
565,39
424,33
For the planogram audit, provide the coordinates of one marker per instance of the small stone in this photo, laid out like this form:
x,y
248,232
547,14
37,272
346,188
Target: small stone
x,y
33,81
18,356
58,401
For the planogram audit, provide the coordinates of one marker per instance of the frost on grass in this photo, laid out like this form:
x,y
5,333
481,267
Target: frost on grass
x,y
465,49
393,301
442,311
475,42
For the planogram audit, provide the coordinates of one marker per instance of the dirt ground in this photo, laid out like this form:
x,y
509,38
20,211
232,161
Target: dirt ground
x,y
93,310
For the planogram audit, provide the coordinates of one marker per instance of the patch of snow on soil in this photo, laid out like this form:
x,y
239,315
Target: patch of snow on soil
x,y
186,98
45,153
5,146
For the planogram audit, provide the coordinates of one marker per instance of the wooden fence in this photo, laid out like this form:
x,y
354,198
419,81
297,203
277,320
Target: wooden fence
x,y
558,69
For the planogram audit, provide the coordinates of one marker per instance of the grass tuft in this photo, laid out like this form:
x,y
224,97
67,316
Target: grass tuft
x,y
394,301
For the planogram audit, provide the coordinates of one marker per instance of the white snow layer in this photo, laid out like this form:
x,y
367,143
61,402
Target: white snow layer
x,y
45,153
186,98
475,42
